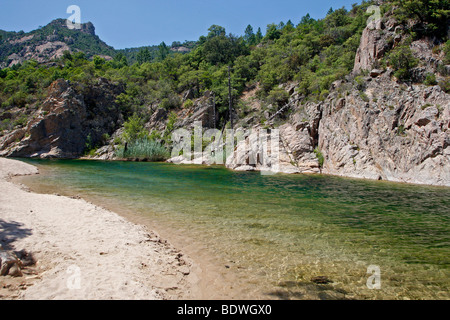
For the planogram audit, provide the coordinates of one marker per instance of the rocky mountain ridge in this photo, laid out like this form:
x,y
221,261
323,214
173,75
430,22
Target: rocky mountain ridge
x,y
50,42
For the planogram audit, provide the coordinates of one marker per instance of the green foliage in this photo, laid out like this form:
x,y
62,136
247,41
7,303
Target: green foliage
x,y
144,55
21,121
163,51
320,157
144,149
278,97
170,126
402,60
445,84
315,53
433,15
98,62
88,144
273,32
134,129
447,52
430,79
188,103
221,49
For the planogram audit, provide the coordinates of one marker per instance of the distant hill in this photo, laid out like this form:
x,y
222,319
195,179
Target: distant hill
x,y
131,53
50,42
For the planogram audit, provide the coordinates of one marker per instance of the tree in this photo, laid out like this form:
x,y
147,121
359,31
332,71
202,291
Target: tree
x,y
259,36
163,51
249,36
144,55
306,20
273,32
98,62
289,27
134,129
67,56
402,60
216,31
120,61
433,15
223,49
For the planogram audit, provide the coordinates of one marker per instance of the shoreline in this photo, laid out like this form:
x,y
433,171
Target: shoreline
x,y
321,174
218,278
83,251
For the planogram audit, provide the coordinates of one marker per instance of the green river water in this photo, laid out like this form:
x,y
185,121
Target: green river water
x,y
280,231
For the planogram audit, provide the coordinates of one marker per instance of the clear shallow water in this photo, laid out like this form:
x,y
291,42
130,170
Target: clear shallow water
x,y
282,230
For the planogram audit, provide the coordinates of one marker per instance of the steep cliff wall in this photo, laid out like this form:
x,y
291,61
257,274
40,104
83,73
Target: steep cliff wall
x,y
68,122
372,126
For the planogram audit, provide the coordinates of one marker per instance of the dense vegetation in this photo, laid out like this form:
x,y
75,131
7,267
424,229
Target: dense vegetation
x,y
314,53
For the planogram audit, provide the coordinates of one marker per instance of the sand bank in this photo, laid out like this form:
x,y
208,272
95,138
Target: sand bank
x,y
84,251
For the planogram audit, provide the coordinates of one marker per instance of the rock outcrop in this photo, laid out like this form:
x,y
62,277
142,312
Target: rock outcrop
x,y
400,134
68,122
9,264
382,130
50,42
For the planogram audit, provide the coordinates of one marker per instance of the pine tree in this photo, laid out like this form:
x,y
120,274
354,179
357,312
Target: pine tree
x,y
144,55
163,51
249,36
258,36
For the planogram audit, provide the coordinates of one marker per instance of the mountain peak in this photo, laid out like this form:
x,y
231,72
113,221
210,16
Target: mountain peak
x,y
87,27
50,42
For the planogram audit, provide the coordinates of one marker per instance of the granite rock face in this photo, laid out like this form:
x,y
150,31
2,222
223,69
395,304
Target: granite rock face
x,y
68,122
383,130
392,132
401,134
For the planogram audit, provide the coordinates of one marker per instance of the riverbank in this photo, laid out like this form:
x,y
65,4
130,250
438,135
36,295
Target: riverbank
x,y
83,251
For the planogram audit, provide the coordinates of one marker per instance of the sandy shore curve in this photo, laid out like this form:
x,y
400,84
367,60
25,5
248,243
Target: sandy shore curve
x,y
83,251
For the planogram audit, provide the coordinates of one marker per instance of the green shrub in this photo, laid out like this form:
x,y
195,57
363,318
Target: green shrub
x,y
188,103
445,85
170,125
144,149
278,97
401,131
402,60
21,121
430,79
447,52
134,129
320,157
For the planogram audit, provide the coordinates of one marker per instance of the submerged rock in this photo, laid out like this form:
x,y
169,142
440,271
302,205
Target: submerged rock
x,y
321,280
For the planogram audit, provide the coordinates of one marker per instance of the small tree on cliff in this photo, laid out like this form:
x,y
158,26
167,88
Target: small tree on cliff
x,y
134,129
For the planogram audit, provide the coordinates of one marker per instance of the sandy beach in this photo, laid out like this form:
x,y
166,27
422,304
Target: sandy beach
x,y
82,251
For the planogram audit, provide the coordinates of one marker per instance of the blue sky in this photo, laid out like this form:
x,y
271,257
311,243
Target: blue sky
x,y
134,23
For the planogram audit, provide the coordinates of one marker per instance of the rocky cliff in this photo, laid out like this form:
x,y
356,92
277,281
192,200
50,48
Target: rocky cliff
x,y
373,128
70,121
50,42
